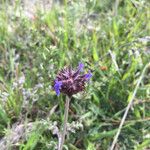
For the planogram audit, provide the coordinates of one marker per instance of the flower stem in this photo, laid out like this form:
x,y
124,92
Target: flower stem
x,y
60,146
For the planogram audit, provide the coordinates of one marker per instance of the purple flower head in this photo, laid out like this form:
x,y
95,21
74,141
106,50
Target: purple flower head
x,y
70,81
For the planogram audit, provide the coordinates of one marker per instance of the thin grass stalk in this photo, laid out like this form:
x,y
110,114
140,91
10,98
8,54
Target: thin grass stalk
x,y
131,98
116,7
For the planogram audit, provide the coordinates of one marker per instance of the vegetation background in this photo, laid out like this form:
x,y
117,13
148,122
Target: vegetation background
x,y
38,38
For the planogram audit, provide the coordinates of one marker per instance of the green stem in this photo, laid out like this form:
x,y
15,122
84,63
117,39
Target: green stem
x,y
60,146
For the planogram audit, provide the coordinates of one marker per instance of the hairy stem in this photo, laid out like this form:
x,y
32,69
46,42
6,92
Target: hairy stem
x,y
60,146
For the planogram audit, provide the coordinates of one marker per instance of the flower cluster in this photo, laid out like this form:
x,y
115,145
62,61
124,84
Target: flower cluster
x,y
69,81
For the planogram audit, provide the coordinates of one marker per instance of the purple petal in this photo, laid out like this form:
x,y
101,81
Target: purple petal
x,y
57,87
57,92
81,66
58,83
88,75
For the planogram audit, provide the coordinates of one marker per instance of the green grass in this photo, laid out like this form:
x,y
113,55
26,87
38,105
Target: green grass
x,y
112,40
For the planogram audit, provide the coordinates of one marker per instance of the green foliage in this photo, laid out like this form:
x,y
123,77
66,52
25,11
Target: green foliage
x,y
110,37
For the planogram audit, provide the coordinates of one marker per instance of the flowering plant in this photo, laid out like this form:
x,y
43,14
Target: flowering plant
x,y
69,82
